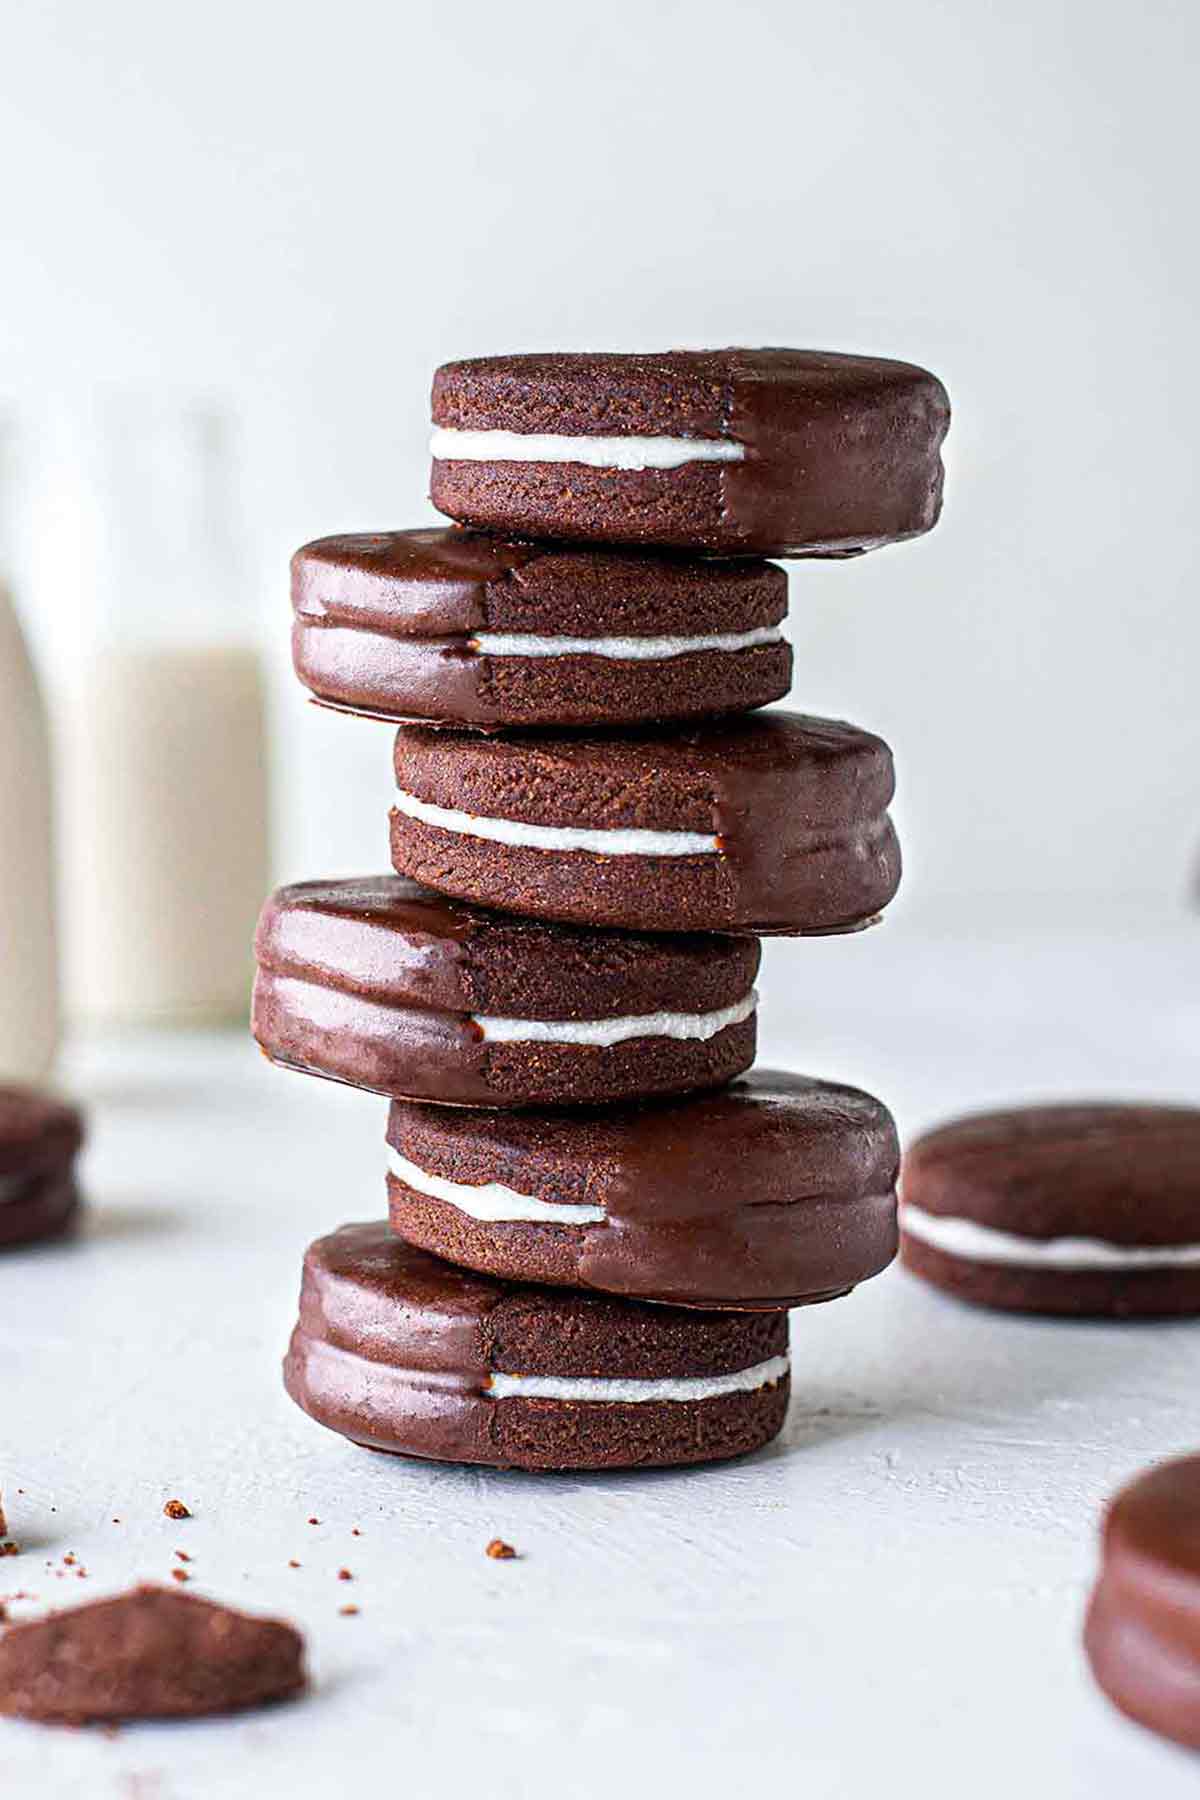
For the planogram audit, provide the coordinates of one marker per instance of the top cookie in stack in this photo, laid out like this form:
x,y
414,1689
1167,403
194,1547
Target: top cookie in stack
x,y
726,452
606,824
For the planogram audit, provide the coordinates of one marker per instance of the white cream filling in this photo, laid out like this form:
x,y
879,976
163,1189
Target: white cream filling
x,y
518,832
983,1243
623,649
693,1027
450,445
623,1391
490,1200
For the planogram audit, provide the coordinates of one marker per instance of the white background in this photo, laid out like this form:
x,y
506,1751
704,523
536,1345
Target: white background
x,y
303,209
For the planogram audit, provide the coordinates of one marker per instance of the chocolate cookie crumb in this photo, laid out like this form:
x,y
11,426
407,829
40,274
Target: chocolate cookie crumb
x,y
345,1575
314,1521
150,1653
183,1556
175,1509
180,1575
292,1563
347,1612
500,1551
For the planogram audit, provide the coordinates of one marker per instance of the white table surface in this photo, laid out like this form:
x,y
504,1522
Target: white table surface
x,y
887,1601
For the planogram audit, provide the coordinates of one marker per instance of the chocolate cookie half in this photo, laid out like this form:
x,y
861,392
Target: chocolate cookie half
x,y
458,628
1142,1635
147,1654
776,823
39,1140
404,1353
738,452
1076,1209
386,986
776,1191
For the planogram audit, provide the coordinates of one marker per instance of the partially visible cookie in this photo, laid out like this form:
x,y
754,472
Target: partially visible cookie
x,y
401,1352
456,628
1085,1210
736,452
39,1139
1142,1635
775,1191
147,1654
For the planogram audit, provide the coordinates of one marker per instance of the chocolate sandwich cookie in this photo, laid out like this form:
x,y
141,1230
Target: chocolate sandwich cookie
x,y
1075,1209
147,1654
776,823
458,628
404,1353
1142,1635
738,452
39,1140
385,986
774,1192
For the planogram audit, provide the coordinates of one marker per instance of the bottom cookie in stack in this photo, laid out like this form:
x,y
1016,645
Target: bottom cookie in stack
x,y
401,1352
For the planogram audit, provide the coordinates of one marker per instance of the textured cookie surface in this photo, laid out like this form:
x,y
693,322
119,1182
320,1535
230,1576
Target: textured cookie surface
x,y
148,1654
389,987
40,1137
774,823
457,628
401,1352
775,1191
1142,1634
1074,1209
768,452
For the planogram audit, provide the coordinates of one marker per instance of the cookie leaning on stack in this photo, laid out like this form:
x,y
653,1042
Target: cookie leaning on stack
x,y
593,1238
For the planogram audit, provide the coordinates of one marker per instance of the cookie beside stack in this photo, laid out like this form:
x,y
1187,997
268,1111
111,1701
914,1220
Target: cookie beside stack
x,y
597,1218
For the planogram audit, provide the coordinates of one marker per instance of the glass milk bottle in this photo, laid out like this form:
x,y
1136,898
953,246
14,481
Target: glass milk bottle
x,y
164,771
28,951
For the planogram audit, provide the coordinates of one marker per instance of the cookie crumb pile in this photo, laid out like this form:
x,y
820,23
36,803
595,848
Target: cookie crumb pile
x,y
598,1212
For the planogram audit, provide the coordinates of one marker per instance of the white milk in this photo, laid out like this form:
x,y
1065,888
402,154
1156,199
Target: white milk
x,y
28,954
164,831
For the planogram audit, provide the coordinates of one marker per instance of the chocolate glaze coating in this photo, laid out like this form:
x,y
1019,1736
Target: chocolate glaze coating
x,y
799,806
378,983
1123,1174
843,452
40,1137
776,1191
384,624
1142,1635
396,1350
147,1654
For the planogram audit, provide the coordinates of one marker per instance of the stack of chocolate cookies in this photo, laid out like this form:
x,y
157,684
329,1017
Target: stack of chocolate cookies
x,y
597,1218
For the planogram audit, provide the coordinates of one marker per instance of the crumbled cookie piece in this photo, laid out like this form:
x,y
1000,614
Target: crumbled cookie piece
x,y
152,1653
